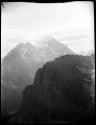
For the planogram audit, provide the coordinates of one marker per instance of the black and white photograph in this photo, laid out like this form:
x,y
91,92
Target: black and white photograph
x,y
47,62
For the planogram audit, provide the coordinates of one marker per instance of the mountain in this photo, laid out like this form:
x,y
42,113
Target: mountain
x,y
17,70
60,92
21,63
50,48
19,66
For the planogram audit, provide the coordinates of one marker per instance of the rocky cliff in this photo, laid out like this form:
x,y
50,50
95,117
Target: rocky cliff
x,y
60,92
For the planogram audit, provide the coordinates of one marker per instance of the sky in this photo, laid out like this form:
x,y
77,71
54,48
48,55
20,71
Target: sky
x,y
71,23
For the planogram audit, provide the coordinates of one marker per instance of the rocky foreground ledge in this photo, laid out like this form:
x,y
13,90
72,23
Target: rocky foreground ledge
x,y
60,92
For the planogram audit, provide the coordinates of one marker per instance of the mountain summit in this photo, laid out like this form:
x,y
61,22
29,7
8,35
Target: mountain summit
x,y
26,58
50,48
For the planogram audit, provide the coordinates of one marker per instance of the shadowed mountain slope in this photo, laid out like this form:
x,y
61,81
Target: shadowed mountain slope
x,y
60,92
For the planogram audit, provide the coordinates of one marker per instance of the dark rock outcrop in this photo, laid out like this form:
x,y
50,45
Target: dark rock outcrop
x,y
60,92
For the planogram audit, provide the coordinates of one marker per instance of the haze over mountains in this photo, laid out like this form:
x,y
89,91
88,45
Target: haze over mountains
x,y
19,66
90,52
47,67
25,59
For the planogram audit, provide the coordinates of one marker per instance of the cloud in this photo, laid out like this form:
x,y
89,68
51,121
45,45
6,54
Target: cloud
x,y
73,37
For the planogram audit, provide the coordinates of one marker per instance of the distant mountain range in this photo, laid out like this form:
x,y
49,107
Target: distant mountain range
x,y
21,63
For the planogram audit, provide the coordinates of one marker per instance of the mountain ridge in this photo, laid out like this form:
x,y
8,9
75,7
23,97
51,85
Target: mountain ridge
x,y
26,55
